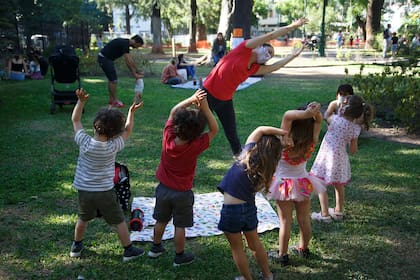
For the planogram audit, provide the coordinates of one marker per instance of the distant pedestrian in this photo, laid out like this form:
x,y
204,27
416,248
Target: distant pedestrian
x,y
387,40
394,41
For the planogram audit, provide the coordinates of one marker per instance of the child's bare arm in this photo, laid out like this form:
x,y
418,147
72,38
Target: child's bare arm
x,y
256,135
194,99
353,146
211,120
291,115
129,123
317,126
332,107
76,116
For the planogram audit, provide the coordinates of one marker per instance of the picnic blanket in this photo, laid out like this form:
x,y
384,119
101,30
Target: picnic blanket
x,y
245,84
206,217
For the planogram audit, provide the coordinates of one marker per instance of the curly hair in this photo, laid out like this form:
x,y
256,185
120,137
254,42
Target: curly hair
x,y
109,122
356,107
189,123
261,161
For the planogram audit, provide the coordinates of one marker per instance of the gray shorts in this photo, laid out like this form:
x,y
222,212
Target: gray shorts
x,y
106,202
174,204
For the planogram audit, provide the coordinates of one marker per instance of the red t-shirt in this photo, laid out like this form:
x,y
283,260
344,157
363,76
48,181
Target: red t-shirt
x,y
176,169
230,72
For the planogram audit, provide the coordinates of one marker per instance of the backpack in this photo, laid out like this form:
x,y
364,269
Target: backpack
x,y
122,185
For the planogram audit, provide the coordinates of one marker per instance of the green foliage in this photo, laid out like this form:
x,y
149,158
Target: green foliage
x,y
394,93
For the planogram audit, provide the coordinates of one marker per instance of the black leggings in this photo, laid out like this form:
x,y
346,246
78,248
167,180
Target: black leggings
x,y
226,114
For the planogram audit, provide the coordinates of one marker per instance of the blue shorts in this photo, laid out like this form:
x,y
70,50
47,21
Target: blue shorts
x,y
236,218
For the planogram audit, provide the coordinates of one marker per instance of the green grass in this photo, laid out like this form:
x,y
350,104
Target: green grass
x,y
378,240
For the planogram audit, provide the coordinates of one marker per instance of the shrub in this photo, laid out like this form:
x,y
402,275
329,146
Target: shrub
x,y
394,93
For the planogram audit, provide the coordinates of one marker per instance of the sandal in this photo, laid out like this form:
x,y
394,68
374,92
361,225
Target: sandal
x,y
336,216
319,218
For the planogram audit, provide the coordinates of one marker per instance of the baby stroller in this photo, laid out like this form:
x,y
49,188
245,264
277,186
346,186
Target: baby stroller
x,y
65,71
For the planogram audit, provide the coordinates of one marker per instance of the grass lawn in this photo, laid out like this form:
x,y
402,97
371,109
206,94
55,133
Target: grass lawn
x,y
379,238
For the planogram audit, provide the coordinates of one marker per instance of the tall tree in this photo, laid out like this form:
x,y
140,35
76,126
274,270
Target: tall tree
x,y
193,27
373,21
156,29
226,11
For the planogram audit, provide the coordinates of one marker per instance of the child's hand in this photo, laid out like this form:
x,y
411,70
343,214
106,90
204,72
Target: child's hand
x,y
82,95
136,106
199,95
314,107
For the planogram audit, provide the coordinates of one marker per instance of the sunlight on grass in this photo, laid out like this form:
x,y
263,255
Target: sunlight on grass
x,y
408,152
94,81
60,219
217,164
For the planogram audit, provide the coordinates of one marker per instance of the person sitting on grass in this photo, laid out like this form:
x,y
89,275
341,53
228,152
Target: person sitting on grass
x,y
183,141
169,74
94,178
183,64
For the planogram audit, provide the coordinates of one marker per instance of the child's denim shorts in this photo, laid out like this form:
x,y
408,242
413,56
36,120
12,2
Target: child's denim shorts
x,y
236,218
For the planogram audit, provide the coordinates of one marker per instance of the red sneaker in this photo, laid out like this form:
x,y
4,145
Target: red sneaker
x,y
117,103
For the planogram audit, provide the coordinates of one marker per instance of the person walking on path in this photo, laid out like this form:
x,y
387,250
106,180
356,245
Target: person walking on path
x,y
332,162
251,173
183,141
292,186
95,170
106,57
387,40
245,60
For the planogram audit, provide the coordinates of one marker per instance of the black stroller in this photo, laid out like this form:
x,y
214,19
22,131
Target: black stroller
x,y
65,71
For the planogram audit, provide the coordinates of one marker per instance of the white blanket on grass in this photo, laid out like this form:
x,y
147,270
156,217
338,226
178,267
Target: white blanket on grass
x,y
206,216
245,84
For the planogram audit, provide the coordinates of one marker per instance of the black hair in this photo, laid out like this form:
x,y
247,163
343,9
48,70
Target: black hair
x,y
137,39
345,89
189,123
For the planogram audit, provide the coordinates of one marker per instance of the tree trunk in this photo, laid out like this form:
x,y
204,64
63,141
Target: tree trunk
x,y
373,21
201,32
362,25
127,19
193,27
242,17
226,12
156,30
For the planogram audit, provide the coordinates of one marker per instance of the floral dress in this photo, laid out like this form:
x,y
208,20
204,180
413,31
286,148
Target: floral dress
x,y
332,163
291,181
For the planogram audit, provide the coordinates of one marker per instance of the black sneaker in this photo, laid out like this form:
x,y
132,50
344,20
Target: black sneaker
x,y
132,253
76,250
303,253
156,251
282,260
183,259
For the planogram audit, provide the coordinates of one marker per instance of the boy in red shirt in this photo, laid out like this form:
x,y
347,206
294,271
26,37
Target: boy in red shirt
x,y
183,141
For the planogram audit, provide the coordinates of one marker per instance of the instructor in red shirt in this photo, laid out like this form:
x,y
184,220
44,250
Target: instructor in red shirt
x,y
245,60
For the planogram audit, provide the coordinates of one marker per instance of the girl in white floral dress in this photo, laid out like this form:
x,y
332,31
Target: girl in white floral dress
x,y
332,163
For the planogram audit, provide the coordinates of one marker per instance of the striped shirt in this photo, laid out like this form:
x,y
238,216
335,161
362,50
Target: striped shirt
x,y
96,162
